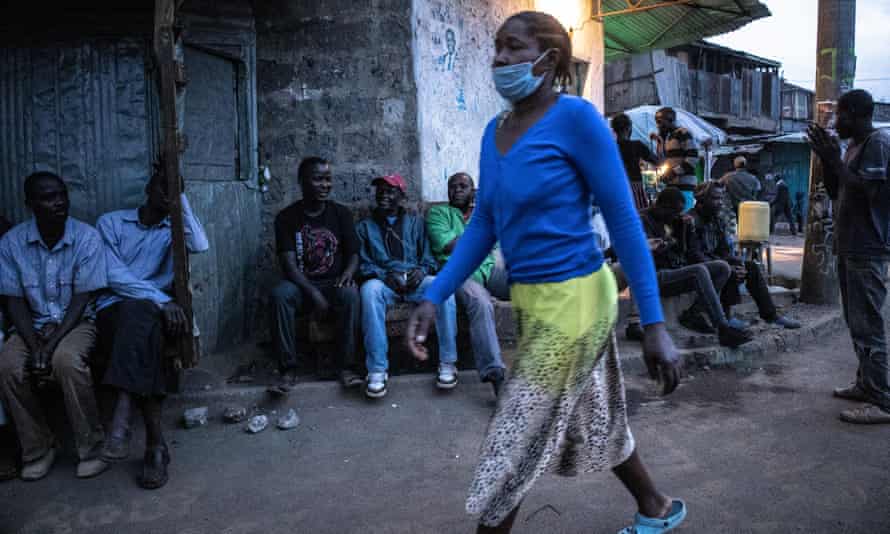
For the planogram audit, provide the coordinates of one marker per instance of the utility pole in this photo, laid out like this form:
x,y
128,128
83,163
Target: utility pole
x,y
835,72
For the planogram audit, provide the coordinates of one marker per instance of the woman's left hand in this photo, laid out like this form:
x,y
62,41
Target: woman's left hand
x,y
661,356
418,328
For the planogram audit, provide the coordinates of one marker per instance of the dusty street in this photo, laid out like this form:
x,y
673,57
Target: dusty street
x,y
758,451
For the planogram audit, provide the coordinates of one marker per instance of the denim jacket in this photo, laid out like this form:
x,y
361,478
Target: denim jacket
x,y
375,260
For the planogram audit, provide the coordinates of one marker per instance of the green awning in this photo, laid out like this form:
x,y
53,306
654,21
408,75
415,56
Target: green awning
x,y
633,26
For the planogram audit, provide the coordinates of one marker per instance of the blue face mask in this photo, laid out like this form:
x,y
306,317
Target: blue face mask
x,y
516,82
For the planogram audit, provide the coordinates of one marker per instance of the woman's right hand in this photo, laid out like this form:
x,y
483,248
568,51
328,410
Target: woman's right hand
x,y
418,329
661,356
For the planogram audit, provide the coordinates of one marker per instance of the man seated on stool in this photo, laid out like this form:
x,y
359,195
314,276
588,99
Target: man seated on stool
x,y
711,242
134,316
445,224
52,267
396,259
318,252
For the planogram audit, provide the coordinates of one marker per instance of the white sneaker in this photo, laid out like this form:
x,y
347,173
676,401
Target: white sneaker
x,y
447,377
376,386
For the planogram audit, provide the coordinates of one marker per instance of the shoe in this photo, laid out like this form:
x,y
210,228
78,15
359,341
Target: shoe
x,y
285,385
733,337
92,468
851,392
738,323
376,386
154,468
447,376
867,414
350,379
634,332
496,377
785,322
695,321
116,447
39,468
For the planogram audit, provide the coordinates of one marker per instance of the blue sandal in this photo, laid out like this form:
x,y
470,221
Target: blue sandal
x,y
649,525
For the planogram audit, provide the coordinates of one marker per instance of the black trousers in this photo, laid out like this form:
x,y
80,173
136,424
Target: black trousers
x,y
706,280
758,288
131,342
783,209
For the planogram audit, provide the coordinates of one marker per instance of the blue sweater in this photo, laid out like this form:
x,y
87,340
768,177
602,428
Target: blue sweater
x,y
536,200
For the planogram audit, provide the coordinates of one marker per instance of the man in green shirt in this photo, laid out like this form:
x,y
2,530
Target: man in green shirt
x,y
445,225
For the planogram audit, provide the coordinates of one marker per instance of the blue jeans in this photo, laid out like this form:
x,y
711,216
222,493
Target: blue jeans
x,y
377,297
476,300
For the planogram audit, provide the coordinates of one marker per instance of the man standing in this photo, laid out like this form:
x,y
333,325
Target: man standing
x,y
711,242
781,206
857,181
318,252
397,262
666,124
52,265
633,153
741,185
134,317
445,225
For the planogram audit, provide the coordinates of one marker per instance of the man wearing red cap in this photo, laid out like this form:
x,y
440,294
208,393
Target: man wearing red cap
x,y
396,260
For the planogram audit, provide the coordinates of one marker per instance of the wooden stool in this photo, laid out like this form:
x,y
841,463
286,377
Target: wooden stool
x,y
753,251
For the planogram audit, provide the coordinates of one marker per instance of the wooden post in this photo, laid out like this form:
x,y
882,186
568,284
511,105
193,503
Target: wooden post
x,y
170,71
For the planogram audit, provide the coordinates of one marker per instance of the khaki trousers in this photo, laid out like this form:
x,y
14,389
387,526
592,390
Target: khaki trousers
x,y
71,371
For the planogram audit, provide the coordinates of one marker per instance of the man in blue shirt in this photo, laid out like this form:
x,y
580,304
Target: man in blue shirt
x,y
396,259
136,313
51,266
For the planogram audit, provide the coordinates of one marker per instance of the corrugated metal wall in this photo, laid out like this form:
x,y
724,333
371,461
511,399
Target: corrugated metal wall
x,y
80,110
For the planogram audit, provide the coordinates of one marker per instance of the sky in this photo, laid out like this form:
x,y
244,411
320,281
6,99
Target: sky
x,y
789,36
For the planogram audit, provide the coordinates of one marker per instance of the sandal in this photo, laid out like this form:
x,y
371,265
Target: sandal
x,y
116,448
651,525
154,470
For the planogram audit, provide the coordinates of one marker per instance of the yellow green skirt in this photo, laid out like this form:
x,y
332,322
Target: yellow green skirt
x,y
563,408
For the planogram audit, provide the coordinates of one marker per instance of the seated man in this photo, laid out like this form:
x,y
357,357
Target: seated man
x,y
8,450
711,243
445,225
134,316
396,259
318,252
669,235
52,265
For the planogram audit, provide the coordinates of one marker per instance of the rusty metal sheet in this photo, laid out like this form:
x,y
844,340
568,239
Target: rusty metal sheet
x,y
79,110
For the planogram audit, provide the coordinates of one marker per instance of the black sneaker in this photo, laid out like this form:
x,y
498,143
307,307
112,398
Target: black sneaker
x,y
634,332
733,337
785,322
285,384
694,320
496,378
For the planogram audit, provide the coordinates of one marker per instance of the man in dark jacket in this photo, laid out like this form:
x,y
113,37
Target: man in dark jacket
x,y
711,242
741,185
781,206
670,235
396,260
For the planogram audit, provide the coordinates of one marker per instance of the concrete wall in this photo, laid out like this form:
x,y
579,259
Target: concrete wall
x,y
453,49
334,79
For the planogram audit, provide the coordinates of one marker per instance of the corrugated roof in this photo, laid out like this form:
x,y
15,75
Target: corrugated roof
x,y
675,23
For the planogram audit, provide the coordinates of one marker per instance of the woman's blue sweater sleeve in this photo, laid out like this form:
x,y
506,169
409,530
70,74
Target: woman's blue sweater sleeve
x,y
595,154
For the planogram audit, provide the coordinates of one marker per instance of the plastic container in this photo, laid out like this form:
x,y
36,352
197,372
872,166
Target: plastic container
x,y
754,221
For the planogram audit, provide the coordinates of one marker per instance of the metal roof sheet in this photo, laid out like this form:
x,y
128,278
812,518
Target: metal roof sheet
x,y
646,27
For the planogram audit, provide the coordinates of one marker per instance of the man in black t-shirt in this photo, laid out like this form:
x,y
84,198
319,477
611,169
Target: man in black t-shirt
x,y
318,251
858,182
632,153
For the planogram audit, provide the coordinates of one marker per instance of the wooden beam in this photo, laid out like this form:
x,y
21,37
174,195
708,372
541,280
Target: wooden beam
x,y
640,8
171,72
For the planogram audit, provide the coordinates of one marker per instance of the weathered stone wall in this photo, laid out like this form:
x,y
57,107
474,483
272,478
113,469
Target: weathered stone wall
x,y
334,79
453,51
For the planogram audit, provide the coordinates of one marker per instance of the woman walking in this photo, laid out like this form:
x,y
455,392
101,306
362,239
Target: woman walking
x,y
563,409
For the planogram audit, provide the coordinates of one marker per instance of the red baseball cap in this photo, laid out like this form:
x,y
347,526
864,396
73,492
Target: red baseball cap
x,y
394,180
